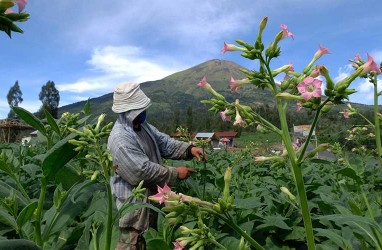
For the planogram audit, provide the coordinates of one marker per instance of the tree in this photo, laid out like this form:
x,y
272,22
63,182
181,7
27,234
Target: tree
x,y
190,119
14,98
50,98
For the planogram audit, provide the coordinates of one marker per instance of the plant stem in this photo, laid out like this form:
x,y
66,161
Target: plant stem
x,y
235,227
297,172
218,244
109,220
22,190
314,123
296,165
38,237
204,175
376,121
371,214
109,217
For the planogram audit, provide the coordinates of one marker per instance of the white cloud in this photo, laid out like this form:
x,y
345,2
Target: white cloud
x,y
111,65
31,106
81,86
343,72
365,86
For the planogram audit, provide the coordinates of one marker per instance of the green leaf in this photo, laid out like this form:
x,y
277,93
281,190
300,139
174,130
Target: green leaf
x,y
18,244
248,203
6,190
5,4
68,212
129,207
26,214
274,221
230,242
86,109
8,219
156,244
52,123
67,177
363,224
320,161
349,172
83,120
29,118
56,158
334,237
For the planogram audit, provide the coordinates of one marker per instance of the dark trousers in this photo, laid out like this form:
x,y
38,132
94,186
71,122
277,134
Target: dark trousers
x,y
130,239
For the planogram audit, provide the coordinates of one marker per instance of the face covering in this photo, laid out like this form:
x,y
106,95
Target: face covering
x,y
139,120
141,117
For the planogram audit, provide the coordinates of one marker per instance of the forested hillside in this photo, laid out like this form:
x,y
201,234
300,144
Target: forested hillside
x,y
176,101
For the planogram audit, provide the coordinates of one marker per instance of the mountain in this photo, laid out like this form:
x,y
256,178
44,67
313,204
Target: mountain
x,y
176,101
178,93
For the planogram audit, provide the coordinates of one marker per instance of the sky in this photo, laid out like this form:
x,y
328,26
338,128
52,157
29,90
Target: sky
x,y
88,47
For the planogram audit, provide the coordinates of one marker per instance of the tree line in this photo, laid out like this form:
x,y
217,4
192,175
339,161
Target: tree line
x,y
49,96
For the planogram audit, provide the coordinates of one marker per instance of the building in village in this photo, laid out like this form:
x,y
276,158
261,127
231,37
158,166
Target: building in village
x,y
218,139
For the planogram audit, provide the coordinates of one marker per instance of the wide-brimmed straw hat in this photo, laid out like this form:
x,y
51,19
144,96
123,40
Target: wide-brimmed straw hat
x,y
129,96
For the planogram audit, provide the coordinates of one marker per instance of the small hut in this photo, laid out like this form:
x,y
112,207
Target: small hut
x,y
10,130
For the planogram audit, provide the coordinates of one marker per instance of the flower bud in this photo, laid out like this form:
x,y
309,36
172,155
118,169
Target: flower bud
x,y
227,181
344,84
325,72
287,192
327,107
100,120
290,97
263,24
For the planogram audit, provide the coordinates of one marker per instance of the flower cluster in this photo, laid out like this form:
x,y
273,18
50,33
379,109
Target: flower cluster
x,y
306,88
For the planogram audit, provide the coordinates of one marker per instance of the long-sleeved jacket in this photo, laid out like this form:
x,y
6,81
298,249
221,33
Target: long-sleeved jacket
x,y
134,165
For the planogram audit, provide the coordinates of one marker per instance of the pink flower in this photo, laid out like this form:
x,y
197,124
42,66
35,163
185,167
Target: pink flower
x,y
239,120
231,47
260,158
20,4
309,88
286,32
346,114
299,106
225,118
321,51
286,69
163,194
357,57
370,66
235,84
203,83
315,72
179,245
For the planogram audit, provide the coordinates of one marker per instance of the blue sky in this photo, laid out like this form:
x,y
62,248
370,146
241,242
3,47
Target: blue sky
x,y
88,47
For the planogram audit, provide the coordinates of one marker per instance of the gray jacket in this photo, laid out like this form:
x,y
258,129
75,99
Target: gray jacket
x,y
134,165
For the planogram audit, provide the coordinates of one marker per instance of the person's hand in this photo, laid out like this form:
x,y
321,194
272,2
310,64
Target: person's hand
x,y
184,172
198,153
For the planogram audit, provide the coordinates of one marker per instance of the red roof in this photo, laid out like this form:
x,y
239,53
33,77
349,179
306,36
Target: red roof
x,y
226,134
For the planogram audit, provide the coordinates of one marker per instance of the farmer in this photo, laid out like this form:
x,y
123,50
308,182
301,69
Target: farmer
x,y
137,149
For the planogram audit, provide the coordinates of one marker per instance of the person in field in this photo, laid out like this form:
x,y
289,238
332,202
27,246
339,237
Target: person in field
x,y
137,149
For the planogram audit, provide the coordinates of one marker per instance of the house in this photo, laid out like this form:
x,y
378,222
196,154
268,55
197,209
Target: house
x,y
218,139
300,132
210,136
27,139
227,138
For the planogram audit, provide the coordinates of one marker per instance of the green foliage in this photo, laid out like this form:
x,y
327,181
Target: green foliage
x,y
50,98
7,19
14,98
